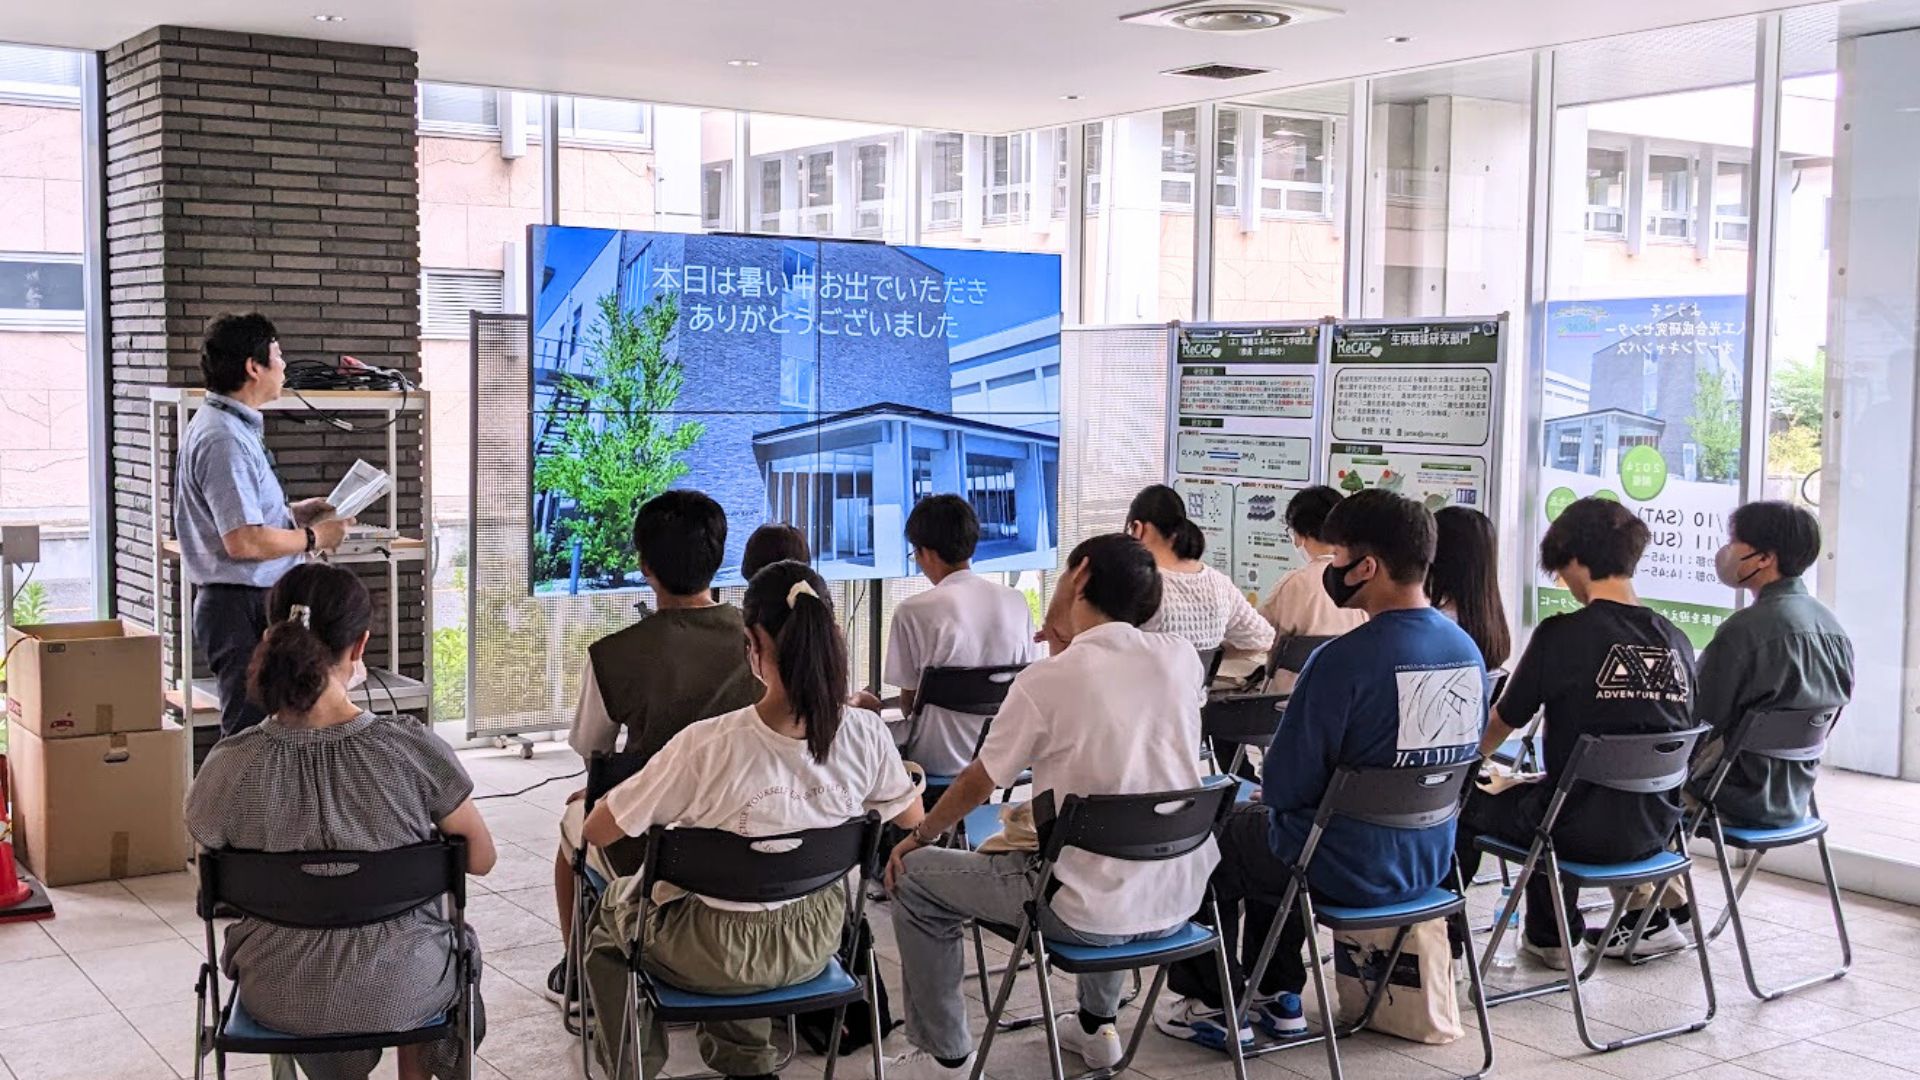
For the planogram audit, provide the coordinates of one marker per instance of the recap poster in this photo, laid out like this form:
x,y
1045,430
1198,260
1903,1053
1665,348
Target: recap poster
x,y
1643,407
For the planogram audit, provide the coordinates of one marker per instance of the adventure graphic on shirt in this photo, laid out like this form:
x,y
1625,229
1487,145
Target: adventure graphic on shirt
x,y
1441,711
1642,673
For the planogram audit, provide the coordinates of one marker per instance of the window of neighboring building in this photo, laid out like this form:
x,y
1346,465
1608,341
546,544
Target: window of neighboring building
x,y
1060,173
1008,168
464,110
715,184
946,177
1670,196
1094,144
769,194
447,296
815,174
1606,190
1226,182
1293,164
870,164
1179,156
1730,202
31,76
597,120
41,291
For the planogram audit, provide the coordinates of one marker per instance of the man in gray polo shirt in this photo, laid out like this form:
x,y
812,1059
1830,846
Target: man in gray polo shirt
x,y
237,532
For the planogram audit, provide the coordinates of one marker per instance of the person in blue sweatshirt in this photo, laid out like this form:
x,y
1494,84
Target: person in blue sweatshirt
x,y
1408,690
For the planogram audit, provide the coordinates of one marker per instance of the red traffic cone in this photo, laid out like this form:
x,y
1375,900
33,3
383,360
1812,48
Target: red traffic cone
x,y
20,900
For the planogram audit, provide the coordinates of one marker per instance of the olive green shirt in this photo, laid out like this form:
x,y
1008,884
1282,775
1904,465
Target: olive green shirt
x,y
1785,651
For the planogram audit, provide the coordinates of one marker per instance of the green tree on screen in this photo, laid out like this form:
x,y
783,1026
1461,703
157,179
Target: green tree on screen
x,y
1716,427
617,443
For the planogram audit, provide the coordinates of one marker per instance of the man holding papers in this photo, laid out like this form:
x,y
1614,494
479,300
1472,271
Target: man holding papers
x,y
237,532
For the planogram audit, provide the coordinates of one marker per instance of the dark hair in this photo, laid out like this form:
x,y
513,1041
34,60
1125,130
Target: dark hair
x,y
1307,513
1122,580
681,536
945,525
231,341
1393,529
1787,532
808,649
1162,507
1606,537
771,543
1466,576
292,664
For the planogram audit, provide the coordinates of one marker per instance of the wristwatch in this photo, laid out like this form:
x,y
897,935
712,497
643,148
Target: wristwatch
x,y
924,841
312,540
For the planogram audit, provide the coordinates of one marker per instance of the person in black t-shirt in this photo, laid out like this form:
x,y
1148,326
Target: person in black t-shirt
x,y
1613,667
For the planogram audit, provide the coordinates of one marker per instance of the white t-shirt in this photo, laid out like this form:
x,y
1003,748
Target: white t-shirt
x,y
965,621
1117,713
733,772
1209,611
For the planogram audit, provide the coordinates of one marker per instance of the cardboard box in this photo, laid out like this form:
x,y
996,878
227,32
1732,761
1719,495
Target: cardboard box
x,y
67,680
99,806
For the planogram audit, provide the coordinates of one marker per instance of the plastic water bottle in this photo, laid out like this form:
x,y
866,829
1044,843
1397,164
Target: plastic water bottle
x,y
1507,955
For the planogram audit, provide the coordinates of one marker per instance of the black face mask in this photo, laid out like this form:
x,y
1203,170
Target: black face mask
x,y
1334,580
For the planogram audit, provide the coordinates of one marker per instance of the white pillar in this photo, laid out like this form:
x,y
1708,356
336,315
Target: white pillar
x,y
676,168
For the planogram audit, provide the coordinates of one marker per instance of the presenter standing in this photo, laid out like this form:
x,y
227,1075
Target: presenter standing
x,y
237,532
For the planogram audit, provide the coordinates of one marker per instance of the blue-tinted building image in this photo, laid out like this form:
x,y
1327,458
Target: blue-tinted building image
x,y
828,385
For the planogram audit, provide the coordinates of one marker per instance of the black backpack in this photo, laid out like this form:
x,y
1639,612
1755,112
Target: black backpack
x,y
816,1028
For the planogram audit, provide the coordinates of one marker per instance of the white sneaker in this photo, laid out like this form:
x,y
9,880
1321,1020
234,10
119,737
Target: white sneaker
x,y
1100,1050
1663,935
917,1064
1552,956
1188,1020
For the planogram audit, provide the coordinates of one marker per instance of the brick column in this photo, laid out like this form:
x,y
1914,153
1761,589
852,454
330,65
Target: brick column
x,y
250,172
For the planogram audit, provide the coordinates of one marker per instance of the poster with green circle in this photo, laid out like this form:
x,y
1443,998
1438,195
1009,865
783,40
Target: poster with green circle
x,y
1557,502
1607,494
1643,473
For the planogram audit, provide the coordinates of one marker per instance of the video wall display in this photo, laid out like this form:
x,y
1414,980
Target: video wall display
x,y
828,385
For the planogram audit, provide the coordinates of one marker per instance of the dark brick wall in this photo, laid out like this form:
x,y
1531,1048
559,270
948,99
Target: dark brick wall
x,y
251,172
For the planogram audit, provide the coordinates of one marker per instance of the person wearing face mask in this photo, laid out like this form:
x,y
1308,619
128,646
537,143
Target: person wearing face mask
x,y
322,774
799,758
1614,667
1406,689
1299,605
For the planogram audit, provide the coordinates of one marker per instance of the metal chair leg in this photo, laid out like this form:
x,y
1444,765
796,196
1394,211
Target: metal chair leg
x,y
1044,973
999,1003
1478,993
1327,1021
1739,925
873,1018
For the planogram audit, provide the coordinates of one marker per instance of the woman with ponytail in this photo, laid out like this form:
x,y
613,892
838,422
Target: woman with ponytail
x,y
1197,602
323,774
799,759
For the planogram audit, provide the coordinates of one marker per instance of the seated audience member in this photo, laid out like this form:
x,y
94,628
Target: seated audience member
x,y
323,774
798,759
1613,667
771,543
1404,690
680,664
965,620
1464,584
1117,713
1197,602
1299,605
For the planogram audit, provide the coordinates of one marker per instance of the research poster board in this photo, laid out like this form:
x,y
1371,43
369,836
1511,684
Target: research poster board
x,y
1413,406
1244,436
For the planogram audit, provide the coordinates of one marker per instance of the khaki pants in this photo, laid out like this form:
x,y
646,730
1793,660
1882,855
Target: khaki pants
x,y
706,950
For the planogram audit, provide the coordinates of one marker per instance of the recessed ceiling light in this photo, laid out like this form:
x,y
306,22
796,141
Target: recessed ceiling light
x,y
1069,97
1399,39
1230,20
743,63
329,18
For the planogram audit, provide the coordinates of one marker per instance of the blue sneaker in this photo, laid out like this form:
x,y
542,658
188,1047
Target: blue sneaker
x,y
1190,1021
1280,1016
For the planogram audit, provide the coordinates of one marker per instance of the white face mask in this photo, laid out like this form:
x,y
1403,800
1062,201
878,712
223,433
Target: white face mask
x,y
359,675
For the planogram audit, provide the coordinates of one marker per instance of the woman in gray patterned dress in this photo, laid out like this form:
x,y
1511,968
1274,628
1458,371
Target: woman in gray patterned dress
x,y
321,774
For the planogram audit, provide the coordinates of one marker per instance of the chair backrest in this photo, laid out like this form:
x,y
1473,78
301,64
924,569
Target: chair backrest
x,y
1242,718
1292,653
1147,827
1399,798
760,869
332,890
975,691
1496,685
1640,764
1210,661
1785,734
608,771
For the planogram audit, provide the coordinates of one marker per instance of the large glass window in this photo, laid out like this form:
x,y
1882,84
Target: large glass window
x,y
827,178
44,434
1278,251
995,191
1670,195
1138,261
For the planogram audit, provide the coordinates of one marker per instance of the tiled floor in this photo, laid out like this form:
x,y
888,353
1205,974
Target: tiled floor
x,y
105,990
1873,813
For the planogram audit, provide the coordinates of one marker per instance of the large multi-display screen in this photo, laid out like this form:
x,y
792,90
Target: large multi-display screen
x,y
826,384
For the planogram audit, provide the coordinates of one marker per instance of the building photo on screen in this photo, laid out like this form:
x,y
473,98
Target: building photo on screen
x,y
827,385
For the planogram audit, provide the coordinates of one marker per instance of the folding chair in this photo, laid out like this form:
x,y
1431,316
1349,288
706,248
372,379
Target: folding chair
x,y
1639,764
327,890
748,869
971,691
604,773
1406,798
1137,828
1241,720
1784,735
1291,653
1210,661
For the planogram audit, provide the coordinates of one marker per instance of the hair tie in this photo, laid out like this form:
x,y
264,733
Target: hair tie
x,y
800,589
301,614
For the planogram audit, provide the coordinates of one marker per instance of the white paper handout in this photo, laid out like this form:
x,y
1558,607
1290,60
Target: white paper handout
x,y
358,490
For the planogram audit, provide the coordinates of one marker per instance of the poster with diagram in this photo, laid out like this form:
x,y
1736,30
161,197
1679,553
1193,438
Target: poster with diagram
x,y
1244,435
1413,407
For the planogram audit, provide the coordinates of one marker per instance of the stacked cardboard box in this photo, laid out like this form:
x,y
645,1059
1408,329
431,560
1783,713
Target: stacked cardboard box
x,y
98,775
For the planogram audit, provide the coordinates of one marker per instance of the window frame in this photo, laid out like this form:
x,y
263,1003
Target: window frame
x,y
1324,188
1744,222
946,208
458,129
1017,151
62,320
1592,209
34,92
1652,209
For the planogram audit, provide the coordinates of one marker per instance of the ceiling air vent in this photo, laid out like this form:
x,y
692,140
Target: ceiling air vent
x,y
1230,16
1217,71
